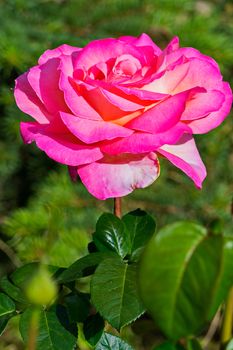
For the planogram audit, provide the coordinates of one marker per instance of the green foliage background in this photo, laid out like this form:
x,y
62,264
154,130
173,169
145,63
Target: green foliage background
x,y
42,214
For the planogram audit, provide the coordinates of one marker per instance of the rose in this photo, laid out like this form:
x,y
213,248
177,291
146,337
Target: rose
x,y
109,109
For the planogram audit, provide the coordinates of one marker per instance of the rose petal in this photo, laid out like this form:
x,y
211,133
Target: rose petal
x,y
203,103
186,157
63,148
140,142
90,131
119,176
142,40
162,116
28,101
214,119
60,50
103,50
44,80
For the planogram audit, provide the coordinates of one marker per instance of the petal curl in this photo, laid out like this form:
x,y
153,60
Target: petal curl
x,y
119,176
57,52
90,131
63,148
28,101
185,156
214,119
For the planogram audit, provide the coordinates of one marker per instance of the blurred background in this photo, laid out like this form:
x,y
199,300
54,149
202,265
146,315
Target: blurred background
x,y
42,214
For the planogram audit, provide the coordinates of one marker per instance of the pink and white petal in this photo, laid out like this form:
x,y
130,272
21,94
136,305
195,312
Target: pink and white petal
x,y
172,46
140,142
91,131
214,119
185,156
65,148
162,116
203,103
142,40
74,99
28,101
120,175
44,80
57,52
200,73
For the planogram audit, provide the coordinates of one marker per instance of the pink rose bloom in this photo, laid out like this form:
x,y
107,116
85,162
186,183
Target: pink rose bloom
x,y
108,110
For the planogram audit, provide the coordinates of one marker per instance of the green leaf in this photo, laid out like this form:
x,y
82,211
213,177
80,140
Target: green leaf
x,y
140,227
180,275
225,277
111,235
51,334
78,306
114,292
82,267
24,273
110,342
193,344
3,323
7,305
13,291
93,328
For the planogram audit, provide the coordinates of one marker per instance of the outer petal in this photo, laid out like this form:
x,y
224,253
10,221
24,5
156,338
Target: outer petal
x,y
185,156
142,40
90,131
214,119
28,101
60,50
44,79
202,104
119,176
65,148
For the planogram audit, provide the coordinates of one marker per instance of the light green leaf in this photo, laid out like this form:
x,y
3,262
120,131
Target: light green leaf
x,y
111,342
111,235
51,334
7,306
140,227
114,292
180,274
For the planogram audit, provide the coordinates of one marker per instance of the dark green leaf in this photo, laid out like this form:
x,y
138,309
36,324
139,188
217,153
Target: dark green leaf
x,y
78,306
140,227
93,329
193,344
179,277
111,342
24,273
169,346
3,323
82,267
13,291
51,334
111,235
114,292
7,306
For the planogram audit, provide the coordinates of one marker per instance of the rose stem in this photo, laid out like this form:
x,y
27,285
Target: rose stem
x,y
117,207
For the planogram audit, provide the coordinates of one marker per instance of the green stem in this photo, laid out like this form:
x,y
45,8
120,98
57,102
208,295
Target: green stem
x,y
117,207
33,330
228,319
